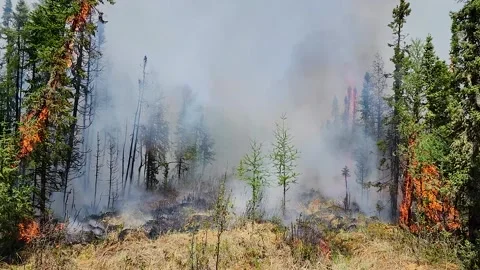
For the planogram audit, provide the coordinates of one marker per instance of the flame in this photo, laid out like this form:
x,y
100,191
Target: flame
x,y
34,123
30,131
28,230
425,190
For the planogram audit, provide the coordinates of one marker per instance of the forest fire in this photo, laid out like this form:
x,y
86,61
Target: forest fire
x,y
28,230
30,131
35,121
424,190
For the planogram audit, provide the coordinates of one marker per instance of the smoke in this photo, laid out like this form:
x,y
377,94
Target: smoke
x,y
248,62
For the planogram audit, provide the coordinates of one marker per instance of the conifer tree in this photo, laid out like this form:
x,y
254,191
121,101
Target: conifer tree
x,y
252,170
465,153
400,13
284,156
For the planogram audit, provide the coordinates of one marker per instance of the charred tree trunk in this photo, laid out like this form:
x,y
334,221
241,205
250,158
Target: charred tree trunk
x,y
97,172
73,125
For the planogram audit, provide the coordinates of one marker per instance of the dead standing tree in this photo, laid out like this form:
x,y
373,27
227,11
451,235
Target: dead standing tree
x,y
346,174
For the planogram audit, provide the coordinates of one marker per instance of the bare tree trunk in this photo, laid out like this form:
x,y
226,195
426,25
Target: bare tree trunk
x,y
97,172
142,90
73,125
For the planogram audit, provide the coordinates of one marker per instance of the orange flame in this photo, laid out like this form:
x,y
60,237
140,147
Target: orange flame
x,y
35,121
425,190
28,230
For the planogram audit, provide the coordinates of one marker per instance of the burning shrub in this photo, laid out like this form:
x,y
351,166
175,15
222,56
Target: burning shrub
x,y
28,230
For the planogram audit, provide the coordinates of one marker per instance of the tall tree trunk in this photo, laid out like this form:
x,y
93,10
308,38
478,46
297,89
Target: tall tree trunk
x,y
97,173
73,125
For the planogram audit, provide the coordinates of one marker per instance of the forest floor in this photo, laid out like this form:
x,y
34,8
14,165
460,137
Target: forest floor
x,y
329,241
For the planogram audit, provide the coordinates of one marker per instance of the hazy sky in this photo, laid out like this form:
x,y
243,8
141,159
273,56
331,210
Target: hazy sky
x,y
432,16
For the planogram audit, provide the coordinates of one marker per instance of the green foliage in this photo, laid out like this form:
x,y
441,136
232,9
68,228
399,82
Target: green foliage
x,y
15,204
252,170
464,157
284,156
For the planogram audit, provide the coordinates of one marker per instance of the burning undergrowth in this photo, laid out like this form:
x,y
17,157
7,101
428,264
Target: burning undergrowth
x,y
154,217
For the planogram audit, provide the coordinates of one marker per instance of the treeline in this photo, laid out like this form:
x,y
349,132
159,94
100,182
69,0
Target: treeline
x,y
51,149
425,130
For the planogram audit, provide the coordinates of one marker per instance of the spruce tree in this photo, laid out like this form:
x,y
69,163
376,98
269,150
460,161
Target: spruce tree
x,y
284,157
400,13
465,108
253,171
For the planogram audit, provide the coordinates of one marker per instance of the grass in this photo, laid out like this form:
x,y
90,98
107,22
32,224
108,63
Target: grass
x,y
263,246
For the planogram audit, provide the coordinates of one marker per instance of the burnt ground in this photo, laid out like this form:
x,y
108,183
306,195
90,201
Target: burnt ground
x,y
190,213
156,216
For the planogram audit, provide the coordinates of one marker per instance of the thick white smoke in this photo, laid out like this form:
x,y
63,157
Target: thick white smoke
x,y
249,62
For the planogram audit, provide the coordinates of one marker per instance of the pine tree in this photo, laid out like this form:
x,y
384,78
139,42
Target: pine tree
x,y
156,142
187,137
346,200
284,157
366,106
465,153
437,81
206,153
252,170
379,84
400,13
7,15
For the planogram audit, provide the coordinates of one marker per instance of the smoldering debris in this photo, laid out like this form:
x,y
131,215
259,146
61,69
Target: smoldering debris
x,y
154,219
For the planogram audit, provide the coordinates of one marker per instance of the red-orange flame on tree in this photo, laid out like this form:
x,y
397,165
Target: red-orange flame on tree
x,y
424,190
34,124
28,230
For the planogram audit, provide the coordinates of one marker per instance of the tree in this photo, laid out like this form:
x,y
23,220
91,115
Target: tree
x,y
379,84
15,197
187,137
437,80
400,13
7,15
112,172
346,174
206,153
366,106
220,216
156,145
465,153
252,170
284,156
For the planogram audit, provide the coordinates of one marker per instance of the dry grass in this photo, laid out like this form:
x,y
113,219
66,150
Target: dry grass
x,y
377,246
381,246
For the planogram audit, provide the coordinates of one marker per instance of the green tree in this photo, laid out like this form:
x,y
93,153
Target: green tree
x,y
465,112
400,13
284,156
15,196
437,80
252,170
